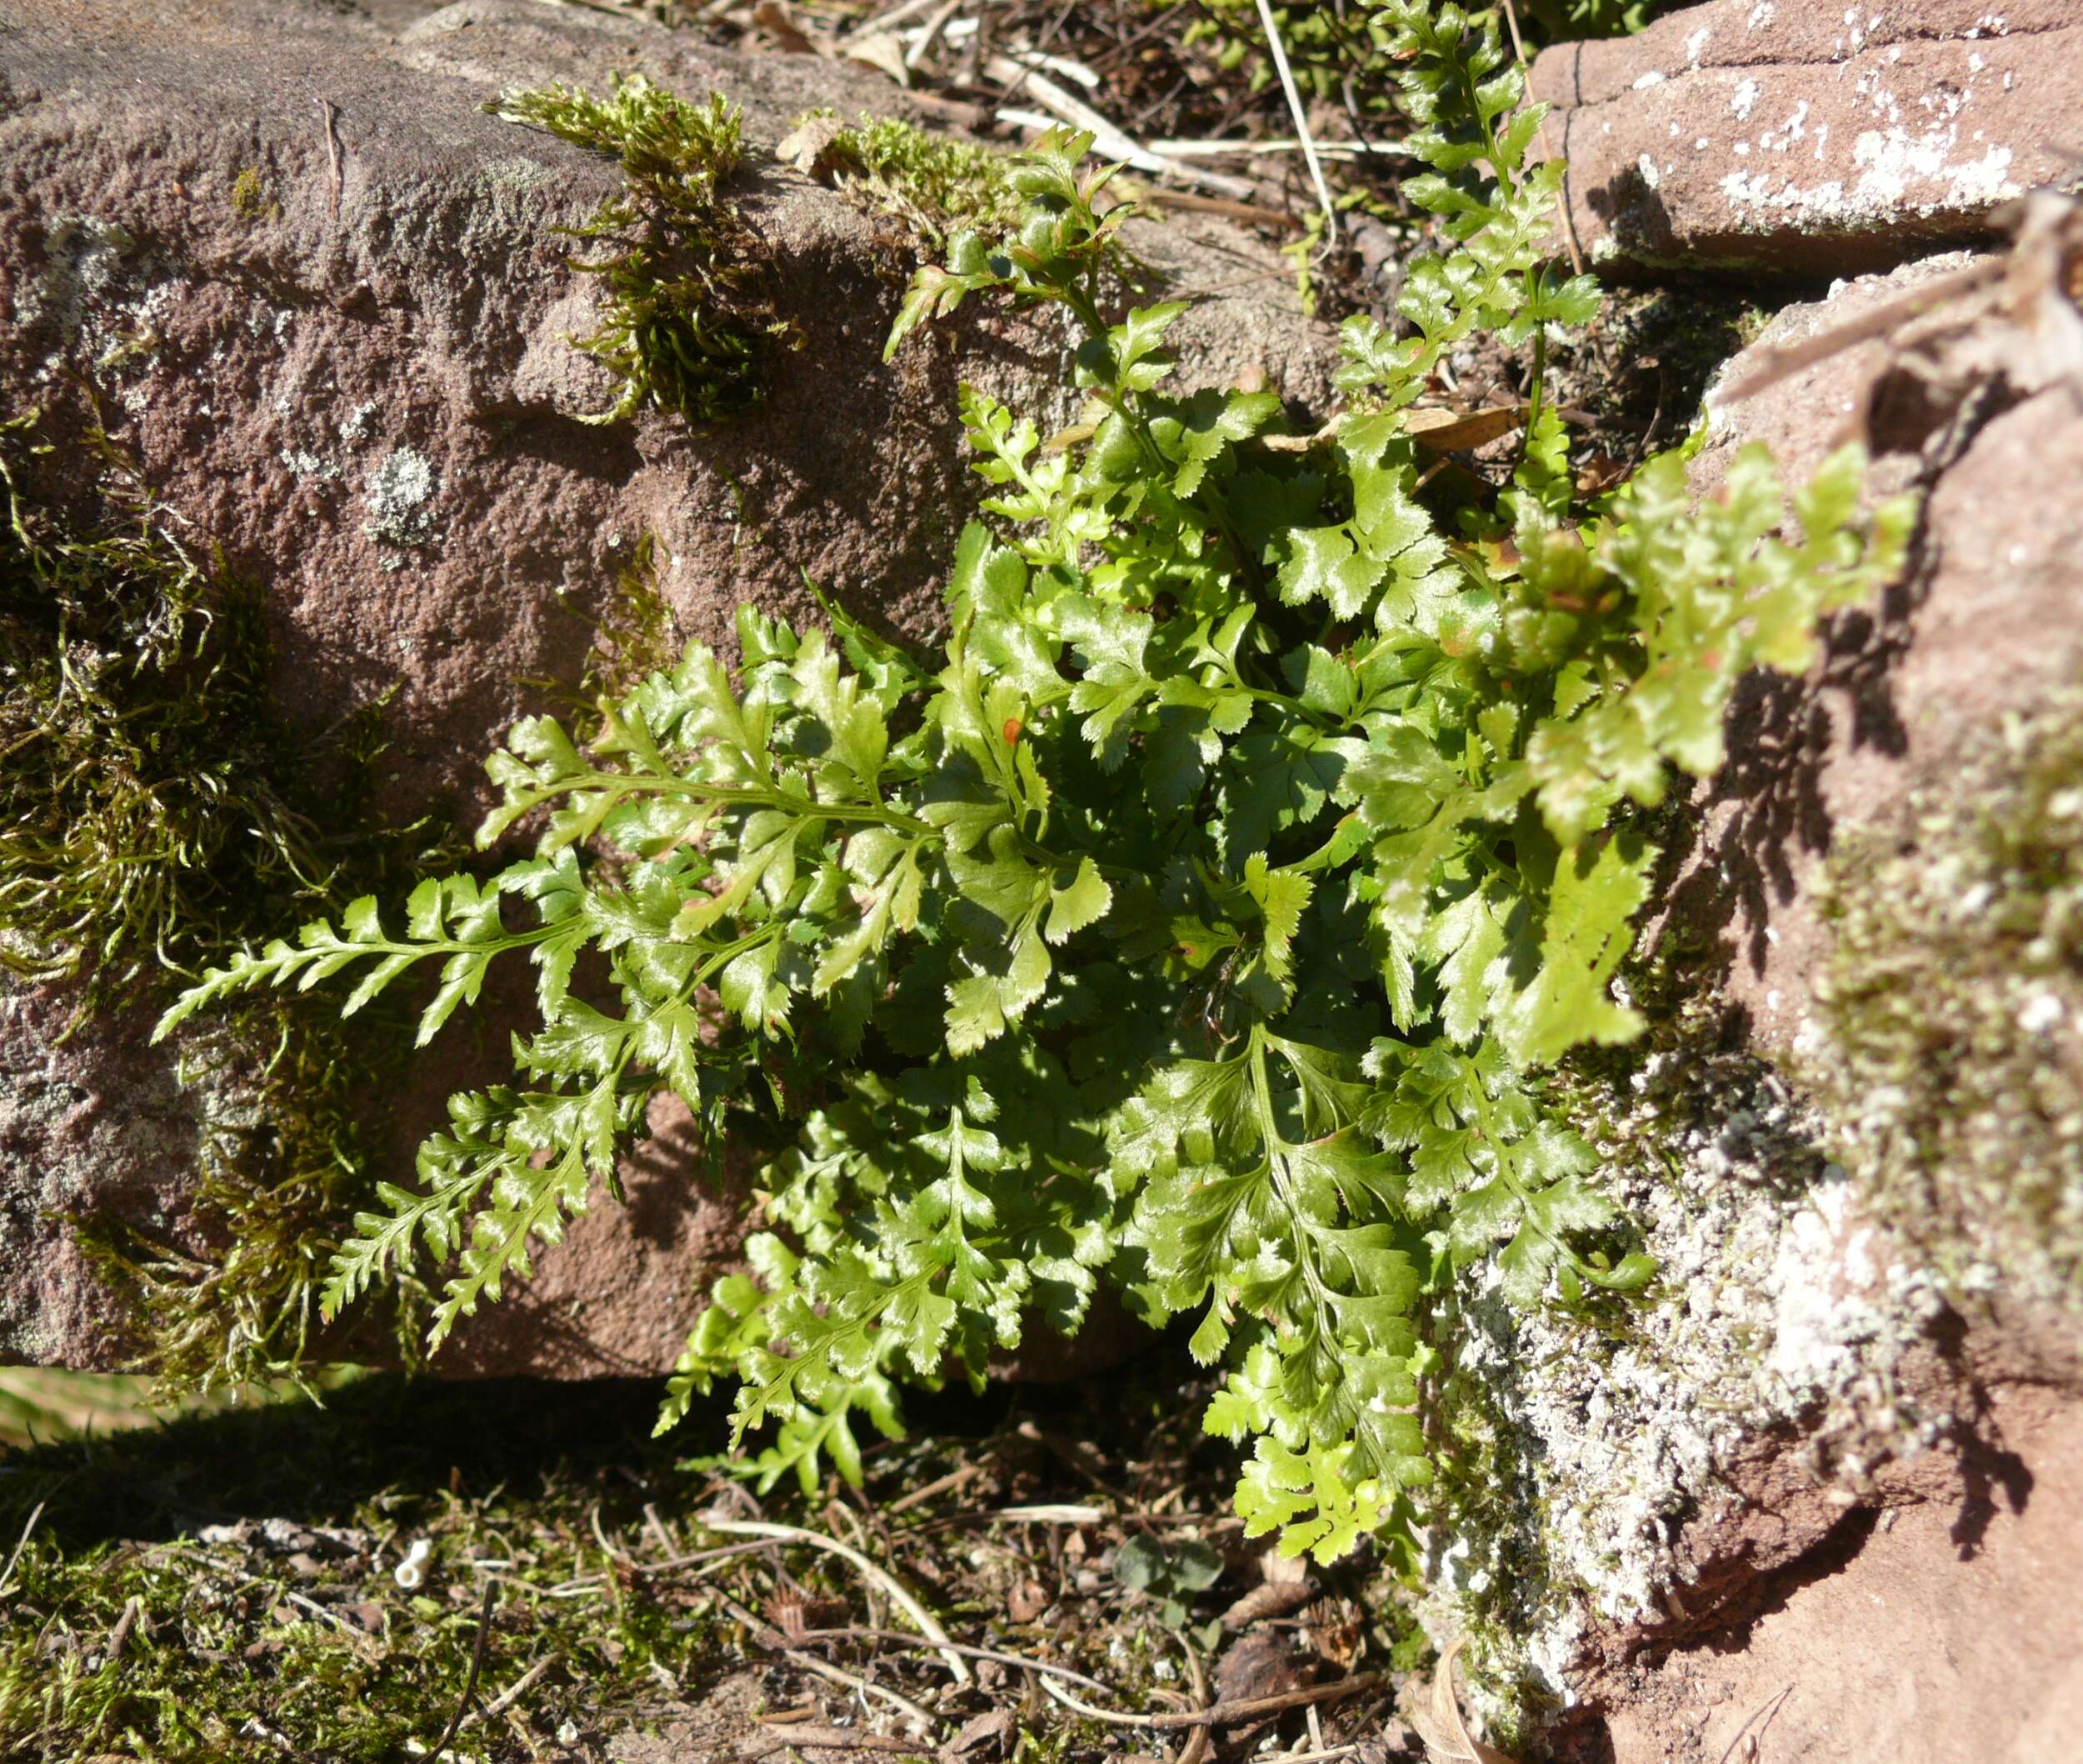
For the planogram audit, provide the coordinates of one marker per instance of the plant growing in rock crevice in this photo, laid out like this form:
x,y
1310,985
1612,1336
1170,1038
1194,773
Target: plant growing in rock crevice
x,y
935,185
1201,920
685,314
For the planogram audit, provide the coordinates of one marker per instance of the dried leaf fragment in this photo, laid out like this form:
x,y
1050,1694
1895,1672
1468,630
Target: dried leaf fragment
x,y
1448,1740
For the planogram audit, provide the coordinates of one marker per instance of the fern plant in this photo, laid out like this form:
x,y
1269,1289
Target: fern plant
x,y
1200,920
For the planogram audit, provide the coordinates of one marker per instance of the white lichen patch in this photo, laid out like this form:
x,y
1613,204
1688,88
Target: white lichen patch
x,y
399,491
1899,175
1772,1306
356,423
1744,100
308,465
84,258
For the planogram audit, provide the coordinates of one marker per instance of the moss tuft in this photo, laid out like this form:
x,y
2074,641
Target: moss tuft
x,y
684,319
148,797
133,1629
157,813
250,200
1951,1064
934,184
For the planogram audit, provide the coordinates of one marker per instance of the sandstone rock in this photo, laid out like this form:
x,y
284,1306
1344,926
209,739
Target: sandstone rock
x,y
1797,139
1986,624
319,296
1927,1623
1876,1530
1800,1463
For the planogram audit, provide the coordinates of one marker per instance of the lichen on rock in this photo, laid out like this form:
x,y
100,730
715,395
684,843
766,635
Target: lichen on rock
x,y
1950,1052
1601,1447
399,491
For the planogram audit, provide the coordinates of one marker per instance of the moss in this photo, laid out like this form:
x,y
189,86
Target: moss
x,y
635,634
1950,1062
287,1157
935,185
685,319
157,813
289,1633
250,200
147,798
261,1544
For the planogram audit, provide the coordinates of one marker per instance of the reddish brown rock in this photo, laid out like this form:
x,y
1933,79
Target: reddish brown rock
x,y
1987,624
1932,1620
319,296
1800,139
1869,1574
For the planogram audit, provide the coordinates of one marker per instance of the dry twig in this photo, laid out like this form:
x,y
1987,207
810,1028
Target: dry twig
x,y
897,1638
1221,1714
6,1574
772,1640
470,1683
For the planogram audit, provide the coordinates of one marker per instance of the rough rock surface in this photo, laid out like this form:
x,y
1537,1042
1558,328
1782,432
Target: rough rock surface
x,y
319,296
1986,624
1786,137
1936,1628
1809,1459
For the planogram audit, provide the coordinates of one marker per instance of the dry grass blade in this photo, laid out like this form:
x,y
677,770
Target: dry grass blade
x,y
897,1638
866,1686
7,1575
926,1624
1247,149
1224,1714
780,1737
508,1698
1301,118
764,1635
1107,137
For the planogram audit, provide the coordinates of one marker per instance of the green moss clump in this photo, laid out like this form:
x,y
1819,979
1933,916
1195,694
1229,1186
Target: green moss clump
x,y
250,200
286,1157
157,813
147,797
684,320
1952,1067
286,1634
934,184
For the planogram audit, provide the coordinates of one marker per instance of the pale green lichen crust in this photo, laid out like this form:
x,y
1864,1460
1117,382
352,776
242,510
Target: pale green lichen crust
x,y
1587,1441
1949,1056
